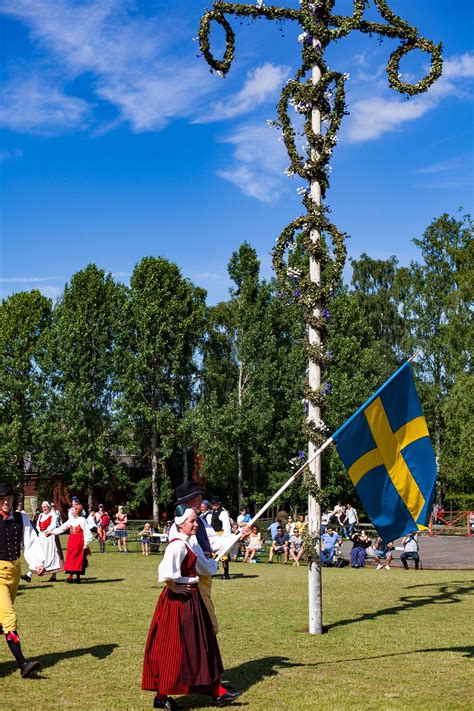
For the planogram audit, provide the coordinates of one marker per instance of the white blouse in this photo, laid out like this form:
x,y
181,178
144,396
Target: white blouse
x,y
32,549
75,521
175,553
53,522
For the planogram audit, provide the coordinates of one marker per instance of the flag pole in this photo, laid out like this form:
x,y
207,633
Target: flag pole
x,y
280,491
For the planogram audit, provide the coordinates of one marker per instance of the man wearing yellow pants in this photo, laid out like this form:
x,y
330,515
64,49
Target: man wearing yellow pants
x,y
15,531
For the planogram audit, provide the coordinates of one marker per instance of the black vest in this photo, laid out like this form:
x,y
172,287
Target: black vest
x,y
11,537
216,523
202,537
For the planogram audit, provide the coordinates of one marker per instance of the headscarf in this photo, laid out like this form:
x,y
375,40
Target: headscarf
x,y
181,518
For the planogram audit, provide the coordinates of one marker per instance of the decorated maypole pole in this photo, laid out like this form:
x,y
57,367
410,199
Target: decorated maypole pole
x,y
317,94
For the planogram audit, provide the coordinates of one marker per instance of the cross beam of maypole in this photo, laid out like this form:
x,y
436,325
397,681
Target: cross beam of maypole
x,y
318,98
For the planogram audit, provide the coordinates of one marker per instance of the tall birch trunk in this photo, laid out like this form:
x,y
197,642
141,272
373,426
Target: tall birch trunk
x,y
155,489
240,465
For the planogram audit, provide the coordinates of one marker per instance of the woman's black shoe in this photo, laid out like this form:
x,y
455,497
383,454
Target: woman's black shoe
x,y
223,699
167,703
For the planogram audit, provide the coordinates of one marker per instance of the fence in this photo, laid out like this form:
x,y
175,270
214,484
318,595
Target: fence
x,y
452,523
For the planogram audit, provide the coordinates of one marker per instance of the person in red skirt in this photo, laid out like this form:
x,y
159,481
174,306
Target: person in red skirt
x,y
78,542
181,654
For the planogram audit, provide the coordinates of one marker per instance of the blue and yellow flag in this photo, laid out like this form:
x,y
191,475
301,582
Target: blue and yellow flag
x,y
387,451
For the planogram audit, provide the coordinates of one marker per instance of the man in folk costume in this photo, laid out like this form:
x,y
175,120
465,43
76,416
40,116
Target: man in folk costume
x,y
77,545
53,559
181,654
15,531
206,538
219,520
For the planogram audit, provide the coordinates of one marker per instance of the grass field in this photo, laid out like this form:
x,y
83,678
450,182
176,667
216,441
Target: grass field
x,y
395,640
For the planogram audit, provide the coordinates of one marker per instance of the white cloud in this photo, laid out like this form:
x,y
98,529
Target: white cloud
x,y
459,67
456,163
133,62
34,106
29,280
11,154
205,276
261,84
259,162
371,117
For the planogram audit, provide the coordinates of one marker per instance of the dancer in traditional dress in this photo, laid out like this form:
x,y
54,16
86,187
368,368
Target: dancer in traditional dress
x,y
15,531
77,545
206,539
53,560
181,654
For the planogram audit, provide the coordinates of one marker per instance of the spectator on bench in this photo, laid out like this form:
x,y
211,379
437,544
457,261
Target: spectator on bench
x,y
328,545
410,545
296,547
383,551
280,544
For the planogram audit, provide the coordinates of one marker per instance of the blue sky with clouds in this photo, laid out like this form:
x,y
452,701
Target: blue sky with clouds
x,y
118,143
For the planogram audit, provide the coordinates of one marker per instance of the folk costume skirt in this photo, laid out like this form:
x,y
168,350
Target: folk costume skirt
x,y
76,556
181,654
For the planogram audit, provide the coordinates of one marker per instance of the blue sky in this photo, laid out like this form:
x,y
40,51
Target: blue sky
x,y
118,143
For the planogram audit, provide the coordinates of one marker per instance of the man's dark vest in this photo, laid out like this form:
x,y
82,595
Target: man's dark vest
x,y
216,523
11,537
202,537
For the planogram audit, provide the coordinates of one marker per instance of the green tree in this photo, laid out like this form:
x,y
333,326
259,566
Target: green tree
x,y
80,370
248,420
376,294
458,436
360,364
161,325
24,320
436,297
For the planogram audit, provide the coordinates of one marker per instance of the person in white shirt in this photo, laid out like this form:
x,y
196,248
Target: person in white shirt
x,y
219,520
351,518
16,532
47,521
77,544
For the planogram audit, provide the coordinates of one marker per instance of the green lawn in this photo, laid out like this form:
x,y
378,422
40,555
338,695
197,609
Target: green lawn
x,y
395,640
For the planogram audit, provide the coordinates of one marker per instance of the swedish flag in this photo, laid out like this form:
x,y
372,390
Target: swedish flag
x,y
387,451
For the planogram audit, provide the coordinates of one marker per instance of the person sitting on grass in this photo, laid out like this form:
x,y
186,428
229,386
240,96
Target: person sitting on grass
x,y
145,539
296,547
383,551
328,545
280,544
254,544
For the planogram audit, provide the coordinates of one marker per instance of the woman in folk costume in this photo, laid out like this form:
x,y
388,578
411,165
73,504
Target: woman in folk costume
x,y
78,542
48,521
16,532
181,654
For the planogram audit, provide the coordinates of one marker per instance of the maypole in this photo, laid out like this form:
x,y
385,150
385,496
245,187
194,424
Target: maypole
x,y
317,94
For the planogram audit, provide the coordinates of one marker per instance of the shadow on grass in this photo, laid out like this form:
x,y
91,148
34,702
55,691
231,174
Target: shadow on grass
x,y
447,594
243,677
22,588
99,581
100,651
467,651
238,575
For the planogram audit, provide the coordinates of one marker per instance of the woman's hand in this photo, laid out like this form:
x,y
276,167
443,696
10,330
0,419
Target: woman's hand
x,y
178,588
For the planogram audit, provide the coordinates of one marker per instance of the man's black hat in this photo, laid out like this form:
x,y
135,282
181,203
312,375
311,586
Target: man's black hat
x,y
216,500
188,490
6,489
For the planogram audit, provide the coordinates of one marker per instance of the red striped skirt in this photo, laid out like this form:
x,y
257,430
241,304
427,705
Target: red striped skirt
x,y
181,654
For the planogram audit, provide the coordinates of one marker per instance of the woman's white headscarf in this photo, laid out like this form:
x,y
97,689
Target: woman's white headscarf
x,y
181,519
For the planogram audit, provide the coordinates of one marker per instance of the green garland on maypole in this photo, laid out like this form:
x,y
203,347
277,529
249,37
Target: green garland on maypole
x,y
320,28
